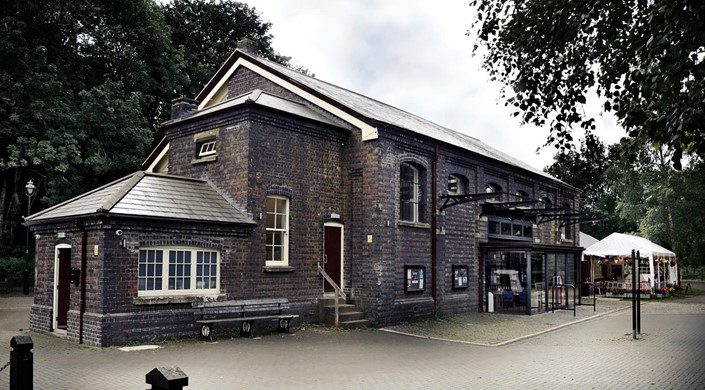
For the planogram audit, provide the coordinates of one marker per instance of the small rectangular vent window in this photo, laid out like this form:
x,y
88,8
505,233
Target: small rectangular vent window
x,y
207,149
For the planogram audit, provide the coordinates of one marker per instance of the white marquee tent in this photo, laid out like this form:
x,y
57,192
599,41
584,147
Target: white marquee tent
x,y
618,245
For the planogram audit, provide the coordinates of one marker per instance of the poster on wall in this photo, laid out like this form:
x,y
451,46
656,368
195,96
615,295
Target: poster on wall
x,y
460,277
414,278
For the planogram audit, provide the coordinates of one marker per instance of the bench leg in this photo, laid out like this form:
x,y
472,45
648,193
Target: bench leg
x,y
206,332
246,329
284,325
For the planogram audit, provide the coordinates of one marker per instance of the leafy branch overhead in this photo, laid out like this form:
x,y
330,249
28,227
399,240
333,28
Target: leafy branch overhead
x,y
84,85
645,60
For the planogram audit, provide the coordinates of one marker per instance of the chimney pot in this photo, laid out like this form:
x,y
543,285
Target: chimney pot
x,y
249,46
183,108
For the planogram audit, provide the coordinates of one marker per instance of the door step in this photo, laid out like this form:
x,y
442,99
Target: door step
x,y
349,317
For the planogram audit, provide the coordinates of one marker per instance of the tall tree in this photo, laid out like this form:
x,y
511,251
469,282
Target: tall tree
x,y
645,59
207,31
82,86
586,168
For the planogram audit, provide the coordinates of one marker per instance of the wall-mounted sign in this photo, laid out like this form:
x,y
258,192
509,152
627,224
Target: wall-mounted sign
x,y
460,276
414,278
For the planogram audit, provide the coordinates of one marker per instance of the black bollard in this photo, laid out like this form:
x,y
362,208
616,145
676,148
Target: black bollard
x,y
21,363
167,378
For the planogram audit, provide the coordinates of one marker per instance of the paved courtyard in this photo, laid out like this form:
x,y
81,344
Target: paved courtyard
x,y
596,353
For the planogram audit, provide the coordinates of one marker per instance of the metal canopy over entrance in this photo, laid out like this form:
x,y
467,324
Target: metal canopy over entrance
x,y
524,208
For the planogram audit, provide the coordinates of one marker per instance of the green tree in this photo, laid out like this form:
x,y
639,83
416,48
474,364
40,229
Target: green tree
x,y
585,168
643,58
83,85
666,204
207,31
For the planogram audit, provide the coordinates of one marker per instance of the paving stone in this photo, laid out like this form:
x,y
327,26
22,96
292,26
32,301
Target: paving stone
x,y
596,353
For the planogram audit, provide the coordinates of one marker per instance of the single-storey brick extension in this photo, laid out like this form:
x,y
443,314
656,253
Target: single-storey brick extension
x,y
269,181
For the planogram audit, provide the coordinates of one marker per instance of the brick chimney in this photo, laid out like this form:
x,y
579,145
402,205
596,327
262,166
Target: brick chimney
x,y
183,107
249,46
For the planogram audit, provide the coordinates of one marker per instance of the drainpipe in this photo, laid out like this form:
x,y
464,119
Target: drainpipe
x,y
434,223
84,251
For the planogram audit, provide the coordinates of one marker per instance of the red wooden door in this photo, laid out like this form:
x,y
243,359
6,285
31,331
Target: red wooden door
x,y
332,249
63,288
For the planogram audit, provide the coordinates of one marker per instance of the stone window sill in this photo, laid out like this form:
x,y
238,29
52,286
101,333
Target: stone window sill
x,y
204,160
277,269
165,300
418,225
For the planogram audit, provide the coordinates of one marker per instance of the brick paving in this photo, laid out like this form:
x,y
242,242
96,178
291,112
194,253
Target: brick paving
x,y
596,353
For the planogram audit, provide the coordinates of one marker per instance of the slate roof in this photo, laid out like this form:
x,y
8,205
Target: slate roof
x,y
149,195
371,110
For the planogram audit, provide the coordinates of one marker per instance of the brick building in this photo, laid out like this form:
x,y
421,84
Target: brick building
x,y
268,174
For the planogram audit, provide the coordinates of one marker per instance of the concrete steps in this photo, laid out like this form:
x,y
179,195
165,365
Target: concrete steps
x,y
349,317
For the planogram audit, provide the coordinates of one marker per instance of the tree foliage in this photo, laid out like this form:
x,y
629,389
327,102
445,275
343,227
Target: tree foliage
x,y
207,32
637,190
586,169
643,58
84,85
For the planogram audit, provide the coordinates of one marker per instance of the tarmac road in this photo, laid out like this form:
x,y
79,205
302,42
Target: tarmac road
x,y
598,353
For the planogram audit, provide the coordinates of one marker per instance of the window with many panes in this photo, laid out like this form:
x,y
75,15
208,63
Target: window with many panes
x,y
277,225
411,194
177,271
508,229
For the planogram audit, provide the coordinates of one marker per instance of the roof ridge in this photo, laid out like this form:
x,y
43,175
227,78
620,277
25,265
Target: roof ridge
x,y
226,197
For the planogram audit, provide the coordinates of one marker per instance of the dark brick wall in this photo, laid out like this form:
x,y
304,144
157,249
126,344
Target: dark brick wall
x,y
261,151
324,169
245,81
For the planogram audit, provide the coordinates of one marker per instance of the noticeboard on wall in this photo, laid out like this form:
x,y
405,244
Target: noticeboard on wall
x,y
460,276
414,278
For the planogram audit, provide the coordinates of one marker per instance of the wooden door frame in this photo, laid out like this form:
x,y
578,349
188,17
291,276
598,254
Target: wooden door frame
x,y
57,248
342,249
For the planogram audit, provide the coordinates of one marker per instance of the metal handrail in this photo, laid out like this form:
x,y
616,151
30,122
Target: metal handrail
x,y
594,300
553,297
339,293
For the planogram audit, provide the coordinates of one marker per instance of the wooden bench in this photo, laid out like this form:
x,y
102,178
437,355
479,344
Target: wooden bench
x,y
244,312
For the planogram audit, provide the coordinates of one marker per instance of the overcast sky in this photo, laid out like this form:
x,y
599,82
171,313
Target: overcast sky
x,y
411,54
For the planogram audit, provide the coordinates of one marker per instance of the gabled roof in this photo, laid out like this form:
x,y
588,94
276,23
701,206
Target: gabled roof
x,y
360,111
148,195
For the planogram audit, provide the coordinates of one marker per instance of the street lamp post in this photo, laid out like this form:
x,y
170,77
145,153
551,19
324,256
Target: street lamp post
x,y
29,190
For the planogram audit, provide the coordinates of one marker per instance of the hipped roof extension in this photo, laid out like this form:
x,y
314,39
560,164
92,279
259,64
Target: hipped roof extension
x,y
149,196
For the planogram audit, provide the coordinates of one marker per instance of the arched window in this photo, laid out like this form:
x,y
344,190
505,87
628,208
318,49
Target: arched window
x,y
493,187
411,193
547,203
522,194
567,229
457,184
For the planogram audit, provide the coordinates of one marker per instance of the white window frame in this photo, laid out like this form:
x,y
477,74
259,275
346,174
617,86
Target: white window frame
x,y
282,231
193,289
207,148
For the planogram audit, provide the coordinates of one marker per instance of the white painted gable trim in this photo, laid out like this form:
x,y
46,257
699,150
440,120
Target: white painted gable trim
x,y
158,160
368,132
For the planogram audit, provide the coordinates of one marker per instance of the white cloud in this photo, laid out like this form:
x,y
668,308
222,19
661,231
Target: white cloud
x,y
414,55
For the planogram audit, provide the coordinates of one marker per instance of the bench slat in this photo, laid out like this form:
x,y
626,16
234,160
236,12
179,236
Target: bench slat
x,y
241,319
243,311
